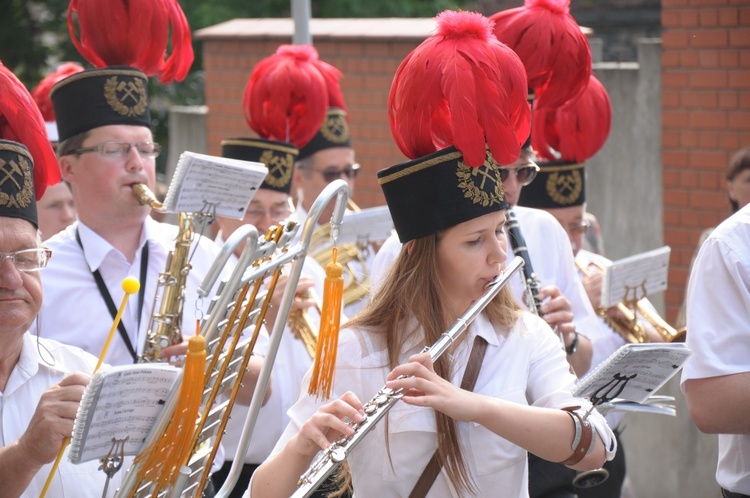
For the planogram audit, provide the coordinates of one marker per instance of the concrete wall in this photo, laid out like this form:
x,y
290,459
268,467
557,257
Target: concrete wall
x,y
665,456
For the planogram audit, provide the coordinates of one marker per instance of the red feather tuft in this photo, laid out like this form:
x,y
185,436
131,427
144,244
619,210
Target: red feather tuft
x,y
135,33
460,88
40,93
554,50
21,121
288,94
577,130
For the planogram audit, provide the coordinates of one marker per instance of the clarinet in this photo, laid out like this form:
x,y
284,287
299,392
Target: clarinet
x,y
531,281
384,400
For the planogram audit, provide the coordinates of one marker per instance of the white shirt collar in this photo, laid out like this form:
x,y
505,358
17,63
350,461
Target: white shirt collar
x,y
96,248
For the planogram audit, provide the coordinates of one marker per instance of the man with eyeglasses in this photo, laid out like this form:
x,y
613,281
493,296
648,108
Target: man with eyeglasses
x,y
328,157
271,205
106,147
41,380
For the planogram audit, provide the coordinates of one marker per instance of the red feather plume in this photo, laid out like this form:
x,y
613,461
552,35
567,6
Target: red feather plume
x,y
553,49
133,33
21,121
288,93
40,93
576,130
460,87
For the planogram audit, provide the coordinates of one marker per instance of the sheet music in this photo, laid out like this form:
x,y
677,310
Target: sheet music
x,y
635,277
368,225
634,372
118,403
211,184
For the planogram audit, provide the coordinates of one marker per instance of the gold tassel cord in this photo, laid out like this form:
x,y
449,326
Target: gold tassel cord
x,y
321,382
166,455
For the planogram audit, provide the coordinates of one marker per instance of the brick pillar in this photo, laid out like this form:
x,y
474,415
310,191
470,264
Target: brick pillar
x,y
705,119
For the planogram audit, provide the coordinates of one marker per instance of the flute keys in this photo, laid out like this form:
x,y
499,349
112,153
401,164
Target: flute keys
x,y
370,408
338,455
380,399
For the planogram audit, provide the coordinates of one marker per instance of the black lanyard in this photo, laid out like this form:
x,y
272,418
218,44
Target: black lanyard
x,y
111,304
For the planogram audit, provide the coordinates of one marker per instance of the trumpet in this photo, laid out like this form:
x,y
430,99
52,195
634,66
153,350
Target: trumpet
x,y
626,323
378,406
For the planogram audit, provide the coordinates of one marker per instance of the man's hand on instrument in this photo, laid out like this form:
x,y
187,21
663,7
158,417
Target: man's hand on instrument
x,y
556,309
328,424
593,285
299,303
53,418
175,354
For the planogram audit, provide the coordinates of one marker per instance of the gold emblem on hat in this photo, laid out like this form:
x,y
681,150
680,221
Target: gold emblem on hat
x,y
335,129
564,187
483,184
279,166
126,96
19,174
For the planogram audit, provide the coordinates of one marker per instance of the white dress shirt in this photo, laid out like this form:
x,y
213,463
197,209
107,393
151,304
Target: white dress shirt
x,y
551,256
718,322
38,368
74,311
525,365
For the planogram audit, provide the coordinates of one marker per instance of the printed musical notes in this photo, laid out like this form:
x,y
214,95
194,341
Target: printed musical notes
x,y
633,372
368,225
120,403
213,185
635,277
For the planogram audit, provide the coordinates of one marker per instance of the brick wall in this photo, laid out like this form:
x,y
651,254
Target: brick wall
x,y
705,119
368,62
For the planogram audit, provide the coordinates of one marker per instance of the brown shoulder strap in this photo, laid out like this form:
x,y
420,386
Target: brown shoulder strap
x,y
431,471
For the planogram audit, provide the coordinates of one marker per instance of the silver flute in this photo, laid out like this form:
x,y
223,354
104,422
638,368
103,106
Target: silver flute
x,y
328,460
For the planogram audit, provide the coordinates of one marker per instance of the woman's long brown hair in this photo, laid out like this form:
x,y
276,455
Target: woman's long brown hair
x,y
411,289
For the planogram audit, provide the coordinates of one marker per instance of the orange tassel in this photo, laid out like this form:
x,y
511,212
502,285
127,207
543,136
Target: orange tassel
x,y
167,454
324,366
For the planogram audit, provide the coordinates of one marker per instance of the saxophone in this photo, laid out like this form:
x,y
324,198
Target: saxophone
x,y
165,325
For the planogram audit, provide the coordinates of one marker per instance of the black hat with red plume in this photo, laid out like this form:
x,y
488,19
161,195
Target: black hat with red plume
x,y
285,101
133,33
565,138
458,108
41,93
290,94
26,149
554,50
128,47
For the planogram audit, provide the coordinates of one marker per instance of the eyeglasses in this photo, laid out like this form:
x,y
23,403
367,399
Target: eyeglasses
x,y
578,228
28,259
524,174
331,174
277,214
119,150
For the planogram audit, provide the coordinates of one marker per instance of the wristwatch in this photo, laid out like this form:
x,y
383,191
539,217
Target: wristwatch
x,y
569,350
